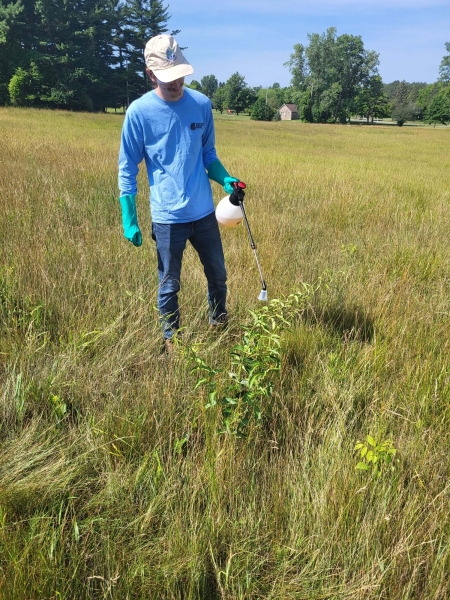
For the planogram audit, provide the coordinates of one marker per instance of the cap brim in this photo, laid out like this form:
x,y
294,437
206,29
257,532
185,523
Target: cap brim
x,y
175,72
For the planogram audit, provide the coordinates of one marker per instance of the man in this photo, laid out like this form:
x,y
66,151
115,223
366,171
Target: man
x,y
172,129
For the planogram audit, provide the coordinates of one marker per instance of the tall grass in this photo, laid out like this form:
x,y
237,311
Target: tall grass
x,y
114,479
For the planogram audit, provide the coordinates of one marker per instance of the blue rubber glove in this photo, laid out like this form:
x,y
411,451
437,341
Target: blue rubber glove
x,y
129,219
218,173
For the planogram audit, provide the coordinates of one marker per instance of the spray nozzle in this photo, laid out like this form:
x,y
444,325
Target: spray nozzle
x,y
238,193
263,296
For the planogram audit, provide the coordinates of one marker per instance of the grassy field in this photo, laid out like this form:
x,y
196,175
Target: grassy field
x,y
115,479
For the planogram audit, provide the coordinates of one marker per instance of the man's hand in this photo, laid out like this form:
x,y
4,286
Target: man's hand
x,y
228,184
129,219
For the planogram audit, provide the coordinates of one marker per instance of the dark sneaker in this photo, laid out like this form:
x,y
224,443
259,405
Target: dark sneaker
x,y
218,324
167,348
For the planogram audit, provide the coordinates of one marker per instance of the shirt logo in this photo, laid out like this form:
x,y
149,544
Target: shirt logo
x,y
195,126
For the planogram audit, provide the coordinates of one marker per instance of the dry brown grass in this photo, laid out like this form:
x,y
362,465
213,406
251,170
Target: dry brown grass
x,y
114,481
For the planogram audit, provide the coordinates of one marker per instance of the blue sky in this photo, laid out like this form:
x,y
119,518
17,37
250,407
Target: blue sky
x,y
255,37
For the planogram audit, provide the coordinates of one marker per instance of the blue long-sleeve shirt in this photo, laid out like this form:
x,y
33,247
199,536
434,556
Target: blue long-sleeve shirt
x,y
177,142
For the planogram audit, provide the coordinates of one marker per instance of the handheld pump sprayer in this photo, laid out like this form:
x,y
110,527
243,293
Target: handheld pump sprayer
x,y
229,212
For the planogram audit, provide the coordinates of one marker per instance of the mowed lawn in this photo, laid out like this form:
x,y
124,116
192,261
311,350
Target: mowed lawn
x,y
116,479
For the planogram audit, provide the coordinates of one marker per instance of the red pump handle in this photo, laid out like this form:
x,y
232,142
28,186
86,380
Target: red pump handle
x,y
238,193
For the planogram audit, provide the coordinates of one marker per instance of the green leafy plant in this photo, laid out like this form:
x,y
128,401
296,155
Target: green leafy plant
x,y
255,365
59,407
376,457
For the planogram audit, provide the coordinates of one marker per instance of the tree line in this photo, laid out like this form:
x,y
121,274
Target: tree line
x,y
76,54
333,79
88,55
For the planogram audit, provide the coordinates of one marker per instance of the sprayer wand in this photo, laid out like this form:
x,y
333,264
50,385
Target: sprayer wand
x,y
237,198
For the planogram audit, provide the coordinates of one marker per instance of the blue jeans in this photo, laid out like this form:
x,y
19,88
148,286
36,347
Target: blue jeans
x,y
171,241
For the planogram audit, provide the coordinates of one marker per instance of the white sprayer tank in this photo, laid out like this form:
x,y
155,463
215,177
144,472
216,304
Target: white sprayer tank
x,y
227,214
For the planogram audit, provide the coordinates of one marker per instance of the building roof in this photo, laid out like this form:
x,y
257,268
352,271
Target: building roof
x,y
291,107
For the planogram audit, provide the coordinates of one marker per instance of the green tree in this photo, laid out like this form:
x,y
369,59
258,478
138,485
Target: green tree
x,y
261,111
19,39
9,14
413,89
444,68
125,81
391,88
273,96
219,99
22,88
209,85
140,20
402,108
301,99
438,107
298,67
195,85
76,54
238,95
64,51
410,93
332,69
427,94
372,101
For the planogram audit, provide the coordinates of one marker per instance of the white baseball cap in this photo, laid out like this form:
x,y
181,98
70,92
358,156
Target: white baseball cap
x,y
164,57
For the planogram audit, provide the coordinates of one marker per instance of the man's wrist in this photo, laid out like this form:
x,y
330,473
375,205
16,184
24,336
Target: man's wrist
x,y
217,172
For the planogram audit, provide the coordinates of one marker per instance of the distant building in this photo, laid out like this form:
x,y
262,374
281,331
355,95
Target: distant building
x,y
288,112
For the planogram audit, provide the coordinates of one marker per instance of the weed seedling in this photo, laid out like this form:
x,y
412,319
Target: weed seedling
x,y
376,457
